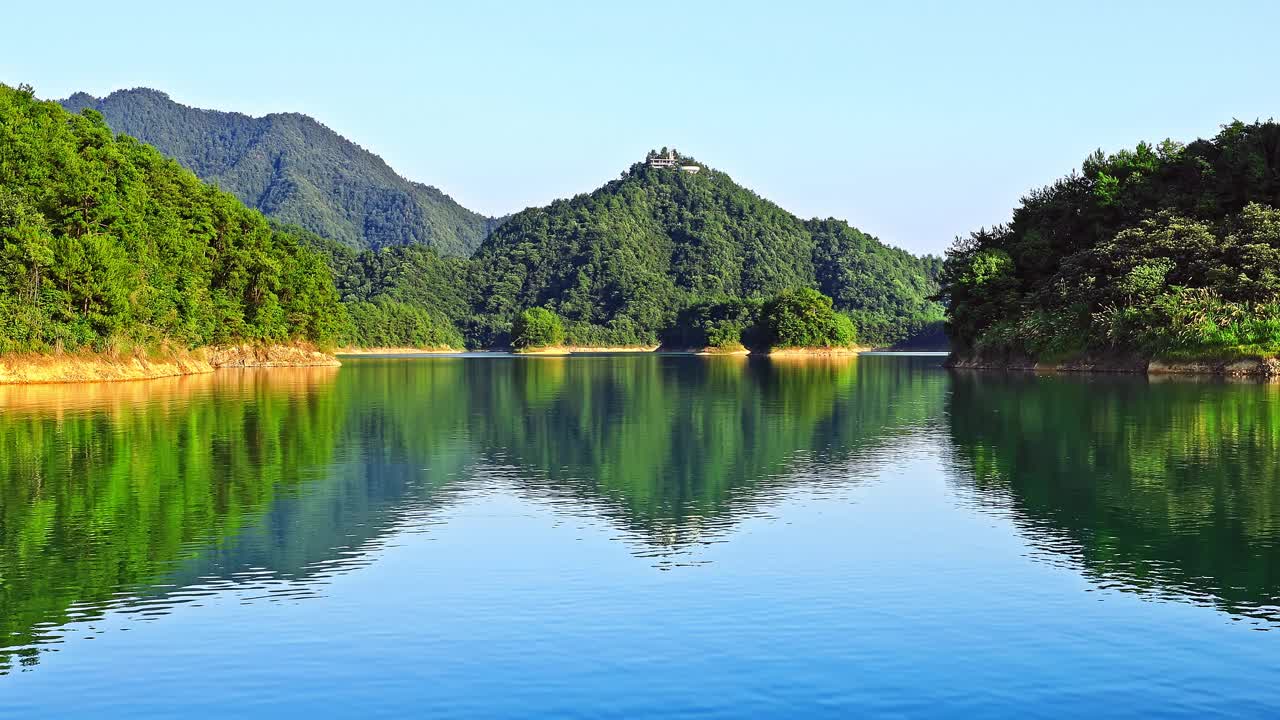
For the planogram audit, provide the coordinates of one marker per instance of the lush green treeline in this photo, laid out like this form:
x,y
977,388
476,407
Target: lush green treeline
x,y
793,318
396,297
388,291
104,242
1169,250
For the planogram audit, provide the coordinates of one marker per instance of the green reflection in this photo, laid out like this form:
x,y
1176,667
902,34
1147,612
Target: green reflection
x,y
138,493
104,486
673,446
1170,488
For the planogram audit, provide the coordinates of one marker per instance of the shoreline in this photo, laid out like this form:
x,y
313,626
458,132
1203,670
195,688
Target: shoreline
x,y
560,350
357,351
815,352
1261,368
85,367
552,351
606,349
90,367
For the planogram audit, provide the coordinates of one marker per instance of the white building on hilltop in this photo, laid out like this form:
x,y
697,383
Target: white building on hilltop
x,y
670,160
663,161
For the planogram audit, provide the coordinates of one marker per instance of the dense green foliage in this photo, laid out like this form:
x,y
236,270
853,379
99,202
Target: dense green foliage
x,y
394,324
536,328
1161,251
105,243
794,318
726,324
622,263
295,170
805,318
405,296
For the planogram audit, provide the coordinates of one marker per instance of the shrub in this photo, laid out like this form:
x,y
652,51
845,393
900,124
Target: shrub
x,y
537,328
805,318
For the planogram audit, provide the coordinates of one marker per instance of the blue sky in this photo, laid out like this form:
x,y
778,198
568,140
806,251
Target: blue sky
x,y
915,121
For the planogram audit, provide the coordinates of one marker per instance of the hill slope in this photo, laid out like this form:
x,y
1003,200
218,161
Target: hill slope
x,y
1170,251
296,171
105,242
620,262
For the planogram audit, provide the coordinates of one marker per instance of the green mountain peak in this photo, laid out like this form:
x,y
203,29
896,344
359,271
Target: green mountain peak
x,y
296,171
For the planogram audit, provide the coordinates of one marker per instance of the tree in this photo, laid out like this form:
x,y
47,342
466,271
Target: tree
x,y
804,317
1163,250
537,328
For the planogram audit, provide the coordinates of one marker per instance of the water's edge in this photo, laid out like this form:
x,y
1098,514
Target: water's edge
x,y
1258,367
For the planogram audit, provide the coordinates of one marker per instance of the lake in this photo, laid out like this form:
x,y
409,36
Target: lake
x,y
640,536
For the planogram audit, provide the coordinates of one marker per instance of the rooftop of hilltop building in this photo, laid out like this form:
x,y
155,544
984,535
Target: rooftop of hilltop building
x,y
671,159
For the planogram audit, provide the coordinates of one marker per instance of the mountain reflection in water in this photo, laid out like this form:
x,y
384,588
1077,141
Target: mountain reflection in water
x,y
135,498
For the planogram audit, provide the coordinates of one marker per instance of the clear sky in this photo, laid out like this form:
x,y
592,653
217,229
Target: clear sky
x,y
915,121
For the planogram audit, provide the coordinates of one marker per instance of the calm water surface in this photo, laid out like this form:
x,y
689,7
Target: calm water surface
x,y
639,536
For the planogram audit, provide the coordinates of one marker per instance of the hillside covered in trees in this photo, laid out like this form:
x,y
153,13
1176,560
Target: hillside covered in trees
x,y
296,171
621,263
104,242
1168,251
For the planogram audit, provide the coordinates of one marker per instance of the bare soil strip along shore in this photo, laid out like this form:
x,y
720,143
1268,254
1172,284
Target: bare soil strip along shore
x,y
398,351
35,368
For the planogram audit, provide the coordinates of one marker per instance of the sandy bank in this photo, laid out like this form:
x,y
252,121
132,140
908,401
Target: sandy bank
x,y
34,368
542,351
606,349
398,351
816,351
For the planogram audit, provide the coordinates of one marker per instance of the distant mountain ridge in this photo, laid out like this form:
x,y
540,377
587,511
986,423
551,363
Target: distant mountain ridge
x,y
295,170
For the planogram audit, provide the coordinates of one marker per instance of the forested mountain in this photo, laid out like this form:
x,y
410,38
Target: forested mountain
x,y
104,242
1166,251
620,263
295,170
